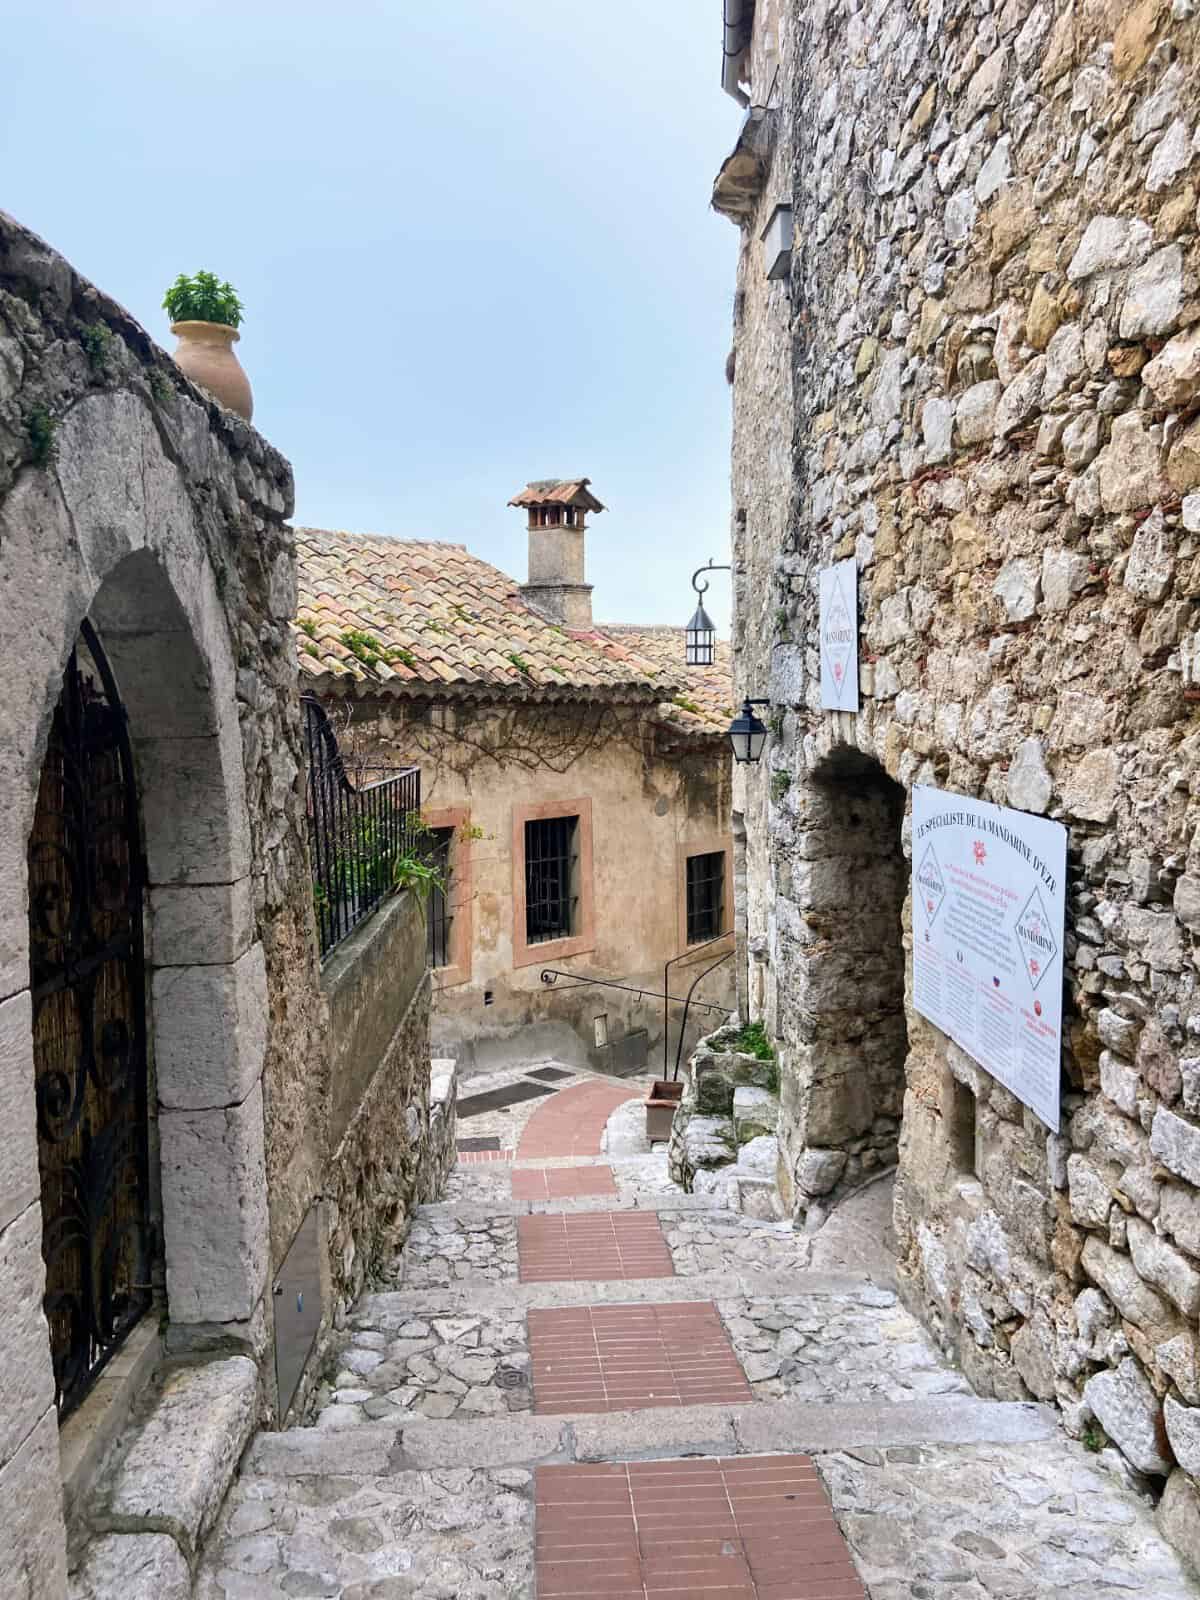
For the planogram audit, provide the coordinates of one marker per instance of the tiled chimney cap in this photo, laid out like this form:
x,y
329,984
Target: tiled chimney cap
x,y
558,492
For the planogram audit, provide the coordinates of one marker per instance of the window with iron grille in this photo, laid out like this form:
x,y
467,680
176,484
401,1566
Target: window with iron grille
x,y
551,878
440,917
705,896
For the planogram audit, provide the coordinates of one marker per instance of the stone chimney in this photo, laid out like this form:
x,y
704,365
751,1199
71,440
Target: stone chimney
x,y
556,589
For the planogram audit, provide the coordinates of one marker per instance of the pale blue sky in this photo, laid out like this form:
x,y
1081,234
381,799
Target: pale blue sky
x,y
473,240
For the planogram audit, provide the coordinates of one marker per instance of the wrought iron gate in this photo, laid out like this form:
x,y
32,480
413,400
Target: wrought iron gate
x,y
89,1027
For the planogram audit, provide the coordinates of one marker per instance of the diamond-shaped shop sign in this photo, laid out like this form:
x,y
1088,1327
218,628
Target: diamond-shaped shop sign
x,y
930,884
1035,939
838,637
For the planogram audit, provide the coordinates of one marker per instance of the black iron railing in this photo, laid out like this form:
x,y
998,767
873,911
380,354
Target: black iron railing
x,y
357,832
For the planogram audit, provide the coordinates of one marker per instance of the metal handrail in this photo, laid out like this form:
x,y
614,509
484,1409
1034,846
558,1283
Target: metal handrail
x,y
551,975
667,965
699,978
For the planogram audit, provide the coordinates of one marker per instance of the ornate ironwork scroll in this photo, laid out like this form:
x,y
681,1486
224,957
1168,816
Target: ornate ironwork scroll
x,y
89,1029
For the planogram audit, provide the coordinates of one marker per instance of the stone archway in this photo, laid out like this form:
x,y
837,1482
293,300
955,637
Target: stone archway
x,y
114,534
843,1026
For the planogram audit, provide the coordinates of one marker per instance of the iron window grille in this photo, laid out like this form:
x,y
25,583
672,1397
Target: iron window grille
x,y
357,832
551,878
705,896
439,916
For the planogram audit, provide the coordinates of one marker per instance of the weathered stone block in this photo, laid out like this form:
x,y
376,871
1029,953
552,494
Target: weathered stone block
x,y
1108,244
1119,1082
24,1337
194,809
133,1566
33,1553
1127,468
755,1112
1090,789
1129,1411
1162,1266
210,1032
214,1210
975,416
1179,1215
1183,1431
18,1150
1179,1517
1121,1282
1174,374
1090,1191
1154,296
182,1459
200,923
1176,1143
817,1171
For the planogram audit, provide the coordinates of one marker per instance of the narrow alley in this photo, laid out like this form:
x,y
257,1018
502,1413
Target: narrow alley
x,y
581,1382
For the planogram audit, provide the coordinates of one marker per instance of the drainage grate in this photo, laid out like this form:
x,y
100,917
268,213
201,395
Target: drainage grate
x,y
471,1146
511,1378
496,1099
550,1074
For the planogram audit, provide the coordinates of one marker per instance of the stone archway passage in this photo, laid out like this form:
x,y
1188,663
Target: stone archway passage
x,y
842,1092
89,1027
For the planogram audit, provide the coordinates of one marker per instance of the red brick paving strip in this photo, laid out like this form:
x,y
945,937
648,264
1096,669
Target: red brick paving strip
x,y
471,1158
738,1528
571,1122
561,1183
592,1245
621,1358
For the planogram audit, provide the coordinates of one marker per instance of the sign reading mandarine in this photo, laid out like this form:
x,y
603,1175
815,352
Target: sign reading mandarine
x,y
989,904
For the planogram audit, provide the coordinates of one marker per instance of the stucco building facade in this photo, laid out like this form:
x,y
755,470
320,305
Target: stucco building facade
x,y
580,767
172,1139
978,376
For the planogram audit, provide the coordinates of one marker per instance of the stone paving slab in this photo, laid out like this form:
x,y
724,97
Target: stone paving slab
x,y
1042,1522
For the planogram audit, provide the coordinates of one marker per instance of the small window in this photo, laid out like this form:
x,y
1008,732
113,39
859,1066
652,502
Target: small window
x,y
551,879
439,917
705,896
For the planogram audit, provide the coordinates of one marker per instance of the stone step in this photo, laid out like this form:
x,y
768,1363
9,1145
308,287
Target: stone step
x,y
399,1305
379,1449
651,1200
168,1481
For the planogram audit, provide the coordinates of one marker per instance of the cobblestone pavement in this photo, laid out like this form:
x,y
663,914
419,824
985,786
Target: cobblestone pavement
x,y
859,1347
417,1478
443,1249
980,1523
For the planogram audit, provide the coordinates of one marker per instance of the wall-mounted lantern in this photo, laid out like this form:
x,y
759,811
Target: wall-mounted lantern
x,y
747,735
777,243
701,631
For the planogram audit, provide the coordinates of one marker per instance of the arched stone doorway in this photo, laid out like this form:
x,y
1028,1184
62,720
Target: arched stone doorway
x,y
844,1035
87,983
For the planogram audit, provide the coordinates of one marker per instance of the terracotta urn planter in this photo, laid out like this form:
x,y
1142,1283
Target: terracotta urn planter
x,y
661,1106
205,354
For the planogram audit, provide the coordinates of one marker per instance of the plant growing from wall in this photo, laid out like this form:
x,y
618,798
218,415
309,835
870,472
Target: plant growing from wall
x,y
781,782
366,648
203,298
96,339
39,429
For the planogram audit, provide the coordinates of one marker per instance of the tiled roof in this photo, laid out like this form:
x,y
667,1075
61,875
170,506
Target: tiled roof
x,y
705,701
557,492
406,616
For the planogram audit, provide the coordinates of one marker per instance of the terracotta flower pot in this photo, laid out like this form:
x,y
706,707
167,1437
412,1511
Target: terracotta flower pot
x,y
661,1106
206,355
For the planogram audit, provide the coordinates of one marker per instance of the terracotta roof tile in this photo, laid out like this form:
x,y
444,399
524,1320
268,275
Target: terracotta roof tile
x,y
425,613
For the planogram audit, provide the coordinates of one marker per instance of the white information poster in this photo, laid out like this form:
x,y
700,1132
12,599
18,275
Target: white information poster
x,y
989,902
838,624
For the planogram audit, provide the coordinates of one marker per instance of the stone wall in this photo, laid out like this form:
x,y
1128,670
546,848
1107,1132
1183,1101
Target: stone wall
x,y
995,347
130,500
381,1163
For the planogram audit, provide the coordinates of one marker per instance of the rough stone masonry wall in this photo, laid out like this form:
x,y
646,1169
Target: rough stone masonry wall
x,y
996,343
